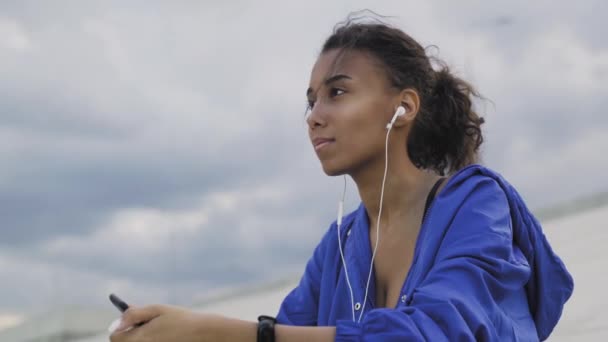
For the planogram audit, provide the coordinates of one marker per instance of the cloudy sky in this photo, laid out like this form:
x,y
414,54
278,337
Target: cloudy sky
x,y
159,149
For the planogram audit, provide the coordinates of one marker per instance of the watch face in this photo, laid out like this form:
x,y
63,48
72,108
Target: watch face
x,y
264,317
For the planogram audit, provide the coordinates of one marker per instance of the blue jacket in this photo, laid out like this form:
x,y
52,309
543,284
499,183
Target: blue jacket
x,y
482,271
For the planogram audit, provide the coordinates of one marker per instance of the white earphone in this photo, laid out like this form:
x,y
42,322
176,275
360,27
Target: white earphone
x,y
400,111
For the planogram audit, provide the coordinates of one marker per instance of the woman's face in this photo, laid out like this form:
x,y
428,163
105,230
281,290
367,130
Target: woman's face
x,y
351,102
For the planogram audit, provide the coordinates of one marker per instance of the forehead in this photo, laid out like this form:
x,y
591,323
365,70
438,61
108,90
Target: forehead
x,y
358,65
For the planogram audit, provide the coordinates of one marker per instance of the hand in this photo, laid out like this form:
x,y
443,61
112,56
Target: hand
x,y
166,323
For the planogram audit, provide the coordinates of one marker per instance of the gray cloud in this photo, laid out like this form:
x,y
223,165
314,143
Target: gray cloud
x,y
118,117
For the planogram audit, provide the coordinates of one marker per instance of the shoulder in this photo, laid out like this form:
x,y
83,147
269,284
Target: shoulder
x,y
473,177
475,198
474,184
329,242
331,235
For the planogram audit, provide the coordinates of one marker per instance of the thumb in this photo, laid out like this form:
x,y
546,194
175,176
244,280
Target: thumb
x,y
134,316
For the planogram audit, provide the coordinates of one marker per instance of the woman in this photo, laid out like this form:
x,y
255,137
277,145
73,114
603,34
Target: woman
x,y
440,249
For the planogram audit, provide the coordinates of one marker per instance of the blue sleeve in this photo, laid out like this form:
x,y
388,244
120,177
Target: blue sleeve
x,y
476,268
300,306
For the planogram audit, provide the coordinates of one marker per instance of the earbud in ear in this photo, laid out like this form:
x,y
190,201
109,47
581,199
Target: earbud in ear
x,y
400,111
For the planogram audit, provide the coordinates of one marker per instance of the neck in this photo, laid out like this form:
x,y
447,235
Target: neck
x,y
405,190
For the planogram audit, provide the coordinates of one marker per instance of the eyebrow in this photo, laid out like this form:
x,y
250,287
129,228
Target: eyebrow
x,y
329,81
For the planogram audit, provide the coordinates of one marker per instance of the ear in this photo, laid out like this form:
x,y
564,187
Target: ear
x,y
409,99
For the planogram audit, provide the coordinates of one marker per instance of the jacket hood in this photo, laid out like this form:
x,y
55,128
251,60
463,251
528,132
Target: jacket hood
x,y
550,284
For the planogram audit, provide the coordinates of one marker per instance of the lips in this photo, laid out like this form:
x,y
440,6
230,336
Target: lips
x,y
319,143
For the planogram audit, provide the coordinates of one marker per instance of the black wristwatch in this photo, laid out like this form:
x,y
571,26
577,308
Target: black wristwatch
x,y
266,328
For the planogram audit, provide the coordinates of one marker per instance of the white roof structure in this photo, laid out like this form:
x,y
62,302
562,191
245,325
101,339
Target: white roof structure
x,y
69,324
576,233
581,240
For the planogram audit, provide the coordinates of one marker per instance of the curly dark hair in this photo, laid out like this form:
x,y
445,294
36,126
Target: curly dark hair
x,y
446,134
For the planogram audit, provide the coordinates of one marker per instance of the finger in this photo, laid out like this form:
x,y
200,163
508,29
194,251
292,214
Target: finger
x,y
126,335
143,333
114,325
134,316
116,337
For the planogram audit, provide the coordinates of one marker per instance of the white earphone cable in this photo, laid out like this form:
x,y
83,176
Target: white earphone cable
x,y
340,211
371,266
389,126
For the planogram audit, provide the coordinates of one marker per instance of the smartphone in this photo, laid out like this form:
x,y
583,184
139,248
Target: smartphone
x,y
122,306
118,303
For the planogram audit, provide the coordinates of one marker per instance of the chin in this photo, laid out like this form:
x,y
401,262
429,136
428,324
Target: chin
x,y
332,169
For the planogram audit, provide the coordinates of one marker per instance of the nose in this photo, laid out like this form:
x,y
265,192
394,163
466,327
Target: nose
x,y
315,118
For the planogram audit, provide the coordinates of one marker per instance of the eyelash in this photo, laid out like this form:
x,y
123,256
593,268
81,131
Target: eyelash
x,y
311,104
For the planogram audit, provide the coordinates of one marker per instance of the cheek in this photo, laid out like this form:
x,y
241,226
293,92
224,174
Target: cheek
x,y
357,118
361,146
364,128
359,127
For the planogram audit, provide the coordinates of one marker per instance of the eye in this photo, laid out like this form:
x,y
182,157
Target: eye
x,y
309,105
333,92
